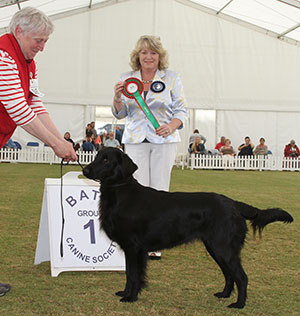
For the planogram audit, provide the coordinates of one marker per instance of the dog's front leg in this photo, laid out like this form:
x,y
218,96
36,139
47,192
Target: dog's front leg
x,y
135,274
126,291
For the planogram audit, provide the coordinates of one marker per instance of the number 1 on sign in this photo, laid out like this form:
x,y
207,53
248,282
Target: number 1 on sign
x,y
91,226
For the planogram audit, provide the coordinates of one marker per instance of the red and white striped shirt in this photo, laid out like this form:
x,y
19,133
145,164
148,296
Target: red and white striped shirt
x,y
12,95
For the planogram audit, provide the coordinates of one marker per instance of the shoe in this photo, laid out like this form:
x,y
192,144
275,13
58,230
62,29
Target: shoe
x,y
154,255
4,288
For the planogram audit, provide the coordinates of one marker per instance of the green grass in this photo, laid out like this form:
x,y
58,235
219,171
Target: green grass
x,y
182,283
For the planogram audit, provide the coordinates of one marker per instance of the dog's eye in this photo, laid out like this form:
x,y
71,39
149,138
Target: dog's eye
x,y
105,160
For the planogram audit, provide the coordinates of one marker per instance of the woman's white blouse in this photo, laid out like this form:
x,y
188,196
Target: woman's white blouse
x,y
165,106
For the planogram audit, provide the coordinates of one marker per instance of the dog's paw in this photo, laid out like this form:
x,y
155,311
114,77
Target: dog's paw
x,y
236,305
222,295
128,299
120,293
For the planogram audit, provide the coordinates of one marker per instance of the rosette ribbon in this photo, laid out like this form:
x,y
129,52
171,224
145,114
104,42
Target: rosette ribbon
x,y
133,89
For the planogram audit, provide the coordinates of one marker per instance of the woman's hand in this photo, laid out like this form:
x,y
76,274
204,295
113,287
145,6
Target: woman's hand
x,y
167,129
164,130
118,90
118,104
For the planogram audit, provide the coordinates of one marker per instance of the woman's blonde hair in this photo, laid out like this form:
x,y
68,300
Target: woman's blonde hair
x,y
153,43
196,142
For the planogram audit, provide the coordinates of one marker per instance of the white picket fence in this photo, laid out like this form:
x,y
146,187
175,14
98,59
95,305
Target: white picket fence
x,y
268,162
41,155
46,155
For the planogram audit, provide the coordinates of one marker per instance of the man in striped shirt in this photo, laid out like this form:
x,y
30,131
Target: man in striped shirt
x,y
20,98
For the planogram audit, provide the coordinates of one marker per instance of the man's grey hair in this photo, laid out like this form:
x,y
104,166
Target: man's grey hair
x,y
31,20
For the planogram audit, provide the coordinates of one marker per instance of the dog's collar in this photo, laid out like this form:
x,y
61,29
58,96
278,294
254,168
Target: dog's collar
x,y
126,182
116,185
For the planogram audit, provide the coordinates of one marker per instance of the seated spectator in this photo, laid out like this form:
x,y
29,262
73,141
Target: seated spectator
x,y
227,149
10,145
246,149
87,144
291,150
194,135
111,141
221,143
67,137
103,137
228,153
197,147
261,148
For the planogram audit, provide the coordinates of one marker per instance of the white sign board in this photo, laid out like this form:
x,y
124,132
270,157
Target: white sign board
x,y
85,245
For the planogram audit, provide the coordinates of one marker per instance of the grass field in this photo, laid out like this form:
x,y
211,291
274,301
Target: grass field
x,y
182,283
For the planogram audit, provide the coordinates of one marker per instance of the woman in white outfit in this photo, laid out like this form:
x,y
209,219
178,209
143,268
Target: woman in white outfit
x,y
153,150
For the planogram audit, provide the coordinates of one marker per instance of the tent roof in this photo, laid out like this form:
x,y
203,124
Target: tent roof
x,y
280,17
50,7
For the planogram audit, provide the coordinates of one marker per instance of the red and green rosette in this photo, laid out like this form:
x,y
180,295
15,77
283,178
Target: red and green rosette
x,y
133,89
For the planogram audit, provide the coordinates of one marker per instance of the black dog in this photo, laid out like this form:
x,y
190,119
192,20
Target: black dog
x,y
141,219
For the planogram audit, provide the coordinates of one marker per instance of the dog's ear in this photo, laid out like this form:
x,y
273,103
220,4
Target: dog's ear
x,y
128,166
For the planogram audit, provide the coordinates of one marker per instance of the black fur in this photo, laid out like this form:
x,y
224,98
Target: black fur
x,y
141,219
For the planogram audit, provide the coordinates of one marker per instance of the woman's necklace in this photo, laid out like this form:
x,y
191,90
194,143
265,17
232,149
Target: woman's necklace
x,y
147,81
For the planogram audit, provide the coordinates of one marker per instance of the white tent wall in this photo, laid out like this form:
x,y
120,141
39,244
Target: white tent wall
x,y
247,78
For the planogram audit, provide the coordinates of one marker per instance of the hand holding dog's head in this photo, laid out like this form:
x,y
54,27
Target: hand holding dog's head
x,y
110,166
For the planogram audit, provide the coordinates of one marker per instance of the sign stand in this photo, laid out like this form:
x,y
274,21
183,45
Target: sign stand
x,y
86,247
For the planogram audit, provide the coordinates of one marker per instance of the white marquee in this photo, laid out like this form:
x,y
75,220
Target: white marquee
x,y
240,74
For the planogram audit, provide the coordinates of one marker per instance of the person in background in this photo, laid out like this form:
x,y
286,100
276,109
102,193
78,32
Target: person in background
x,y
20,101
228,153
89,130
221,143
291,150
118,134
67,137
94,130
10,145
197,146
97,142
196,134
111,141
87,144
246,149
152,150
103,137
227,149
261,148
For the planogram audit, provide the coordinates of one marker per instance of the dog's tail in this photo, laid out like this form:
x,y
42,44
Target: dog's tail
x,y
271,215
261,218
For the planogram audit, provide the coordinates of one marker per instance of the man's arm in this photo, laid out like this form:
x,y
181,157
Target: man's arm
x,y
47,122
46,133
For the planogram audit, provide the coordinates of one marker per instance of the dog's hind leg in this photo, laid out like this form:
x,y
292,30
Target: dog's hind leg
x,y
136,262
228,259
229,283
241,280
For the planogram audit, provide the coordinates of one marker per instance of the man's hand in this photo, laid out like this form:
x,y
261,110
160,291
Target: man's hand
x,y
65,150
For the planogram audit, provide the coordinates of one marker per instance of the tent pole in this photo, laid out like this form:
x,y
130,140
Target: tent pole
x,y
289,30
228,3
